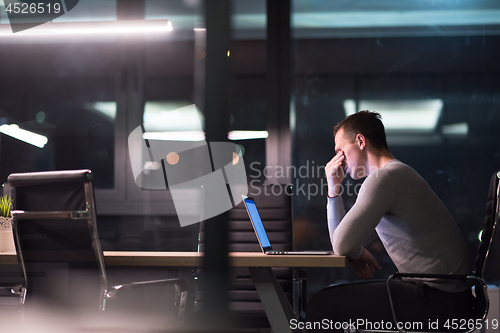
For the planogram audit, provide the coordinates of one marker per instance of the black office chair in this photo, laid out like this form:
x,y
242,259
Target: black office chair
x,y
58,246
481,305
275,207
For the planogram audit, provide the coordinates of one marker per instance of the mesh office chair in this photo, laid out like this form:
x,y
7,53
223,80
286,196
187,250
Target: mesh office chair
x,y
481,305
275,207
57,243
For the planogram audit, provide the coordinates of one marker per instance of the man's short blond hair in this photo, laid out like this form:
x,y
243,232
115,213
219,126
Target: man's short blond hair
x,y
367,123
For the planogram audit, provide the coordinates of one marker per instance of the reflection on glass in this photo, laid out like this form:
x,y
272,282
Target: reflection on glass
x,y
163,116
32,138
415,116
172,121
247,135
106,109
455,130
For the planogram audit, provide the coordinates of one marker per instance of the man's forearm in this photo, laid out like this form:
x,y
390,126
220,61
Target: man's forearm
x,y
333,189
335,212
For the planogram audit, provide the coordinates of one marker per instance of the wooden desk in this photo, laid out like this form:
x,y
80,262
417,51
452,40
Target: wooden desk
x,y
278,309
237,259
195,259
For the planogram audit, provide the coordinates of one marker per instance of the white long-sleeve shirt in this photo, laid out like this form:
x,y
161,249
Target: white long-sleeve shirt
x,y
417,231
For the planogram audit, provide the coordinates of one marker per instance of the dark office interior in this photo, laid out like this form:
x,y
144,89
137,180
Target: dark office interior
x,y
294,79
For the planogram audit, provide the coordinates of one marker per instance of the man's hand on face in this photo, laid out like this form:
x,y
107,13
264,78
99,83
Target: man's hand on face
x,y
335,174
364,266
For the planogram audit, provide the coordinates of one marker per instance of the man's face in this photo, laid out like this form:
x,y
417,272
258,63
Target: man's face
x,y
355,158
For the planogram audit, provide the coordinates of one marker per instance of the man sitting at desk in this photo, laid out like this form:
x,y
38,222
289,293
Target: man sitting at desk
x,y
415,227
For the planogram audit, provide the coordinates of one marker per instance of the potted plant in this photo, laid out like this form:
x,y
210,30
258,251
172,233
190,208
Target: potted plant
x,y
6,236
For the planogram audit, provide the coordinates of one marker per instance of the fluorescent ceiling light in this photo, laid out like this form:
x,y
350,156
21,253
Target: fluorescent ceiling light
x,y
92,28
408,18
356,19
458,129
247,135
151,110
24,135
106,109
200,136
418,139
175,116
175,136
417,116
349,107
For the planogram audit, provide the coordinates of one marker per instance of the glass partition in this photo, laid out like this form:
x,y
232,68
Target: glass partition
x,y
65,93
430,69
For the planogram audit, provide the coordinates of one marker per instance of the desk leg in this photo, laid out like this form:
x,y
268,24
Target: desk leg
x,y
278,309
189,277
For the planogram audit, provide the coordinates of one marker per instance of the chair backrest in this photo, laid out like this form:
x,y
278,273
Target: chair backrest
x,y
56,234
489,225
275,207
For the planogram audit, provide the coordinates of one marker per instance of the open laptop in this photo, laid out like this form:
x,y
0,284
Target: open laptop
x,y
261,233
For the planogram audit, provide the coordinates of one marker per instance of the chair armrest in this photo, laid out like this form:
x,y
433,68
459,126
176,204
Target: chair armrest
x,y
180,285
13,289
432,276
74,215
133,285
479,283
481,290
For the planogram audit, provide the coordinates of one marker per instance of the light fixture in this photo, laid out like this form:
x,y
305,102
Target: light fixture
x,y
152,109
392,18
125,27
183,123
14,131
105,109
200,136
175,136
247,135
455,130
412,115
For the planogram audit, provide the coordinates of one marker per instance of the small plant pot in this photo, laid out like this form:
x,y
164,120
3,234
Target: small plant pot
x,y
6,235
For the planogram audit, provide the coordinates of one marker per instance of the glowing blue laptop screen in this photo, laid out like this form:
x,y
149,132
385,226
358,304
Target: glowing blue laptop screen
x,y
257,223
